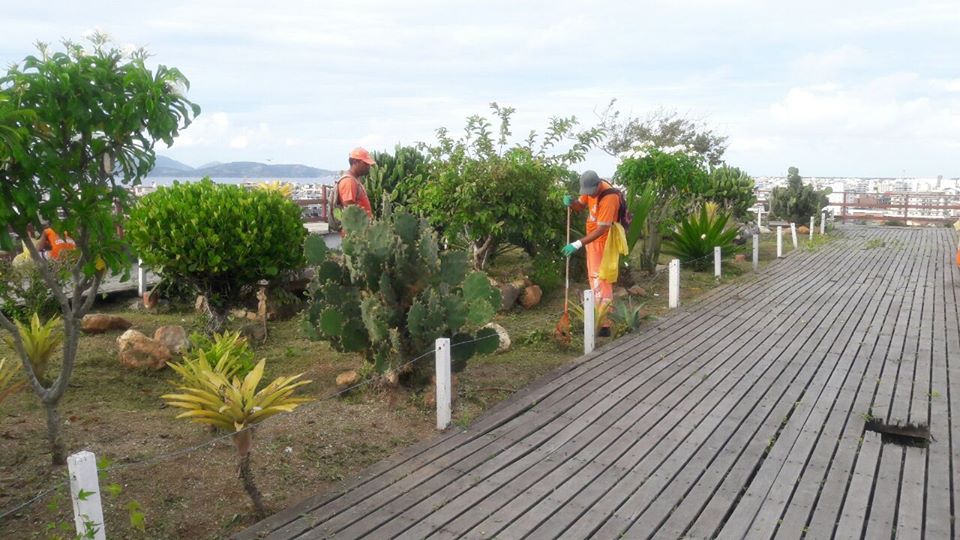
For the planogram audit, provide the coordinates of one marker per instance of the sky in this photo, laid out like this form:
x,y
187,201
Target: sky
x,y
835,88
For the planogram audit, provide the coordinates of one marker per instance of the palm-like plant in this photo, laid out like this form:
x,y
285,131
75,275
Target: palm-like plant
x,y
698,233
8,375
228,354
39,342
235,404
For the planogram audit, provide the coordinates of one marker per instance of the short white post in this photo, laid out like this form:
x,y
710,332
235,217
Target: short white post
x,y
779,241
716,262
760,218
674,283
813,222
443,382
793,234
85,493
823,222
141,278
756,252
589,324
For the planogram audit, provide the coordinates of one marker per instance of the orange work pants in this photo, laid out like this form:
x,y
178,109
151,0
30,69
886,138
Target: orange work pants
x,y
602,290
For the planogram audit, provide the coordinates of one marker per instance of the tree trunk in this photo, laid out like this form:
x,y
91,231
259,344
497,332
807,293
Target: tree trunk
x,y
481,253
216,318
246,474
58,452
651,248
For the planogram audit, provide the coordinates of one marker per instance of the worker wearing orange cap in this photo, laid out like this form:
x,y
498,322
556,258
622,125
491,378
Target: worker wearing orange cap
x,y
349,189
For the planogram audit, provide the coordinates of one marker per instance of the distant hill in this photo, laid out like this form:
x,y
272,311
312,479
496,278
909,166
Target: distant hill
x,y
167,167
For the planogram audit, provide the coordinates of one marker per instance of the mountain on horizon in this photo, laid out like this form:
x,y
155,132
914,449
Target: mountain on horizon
x,y
167,167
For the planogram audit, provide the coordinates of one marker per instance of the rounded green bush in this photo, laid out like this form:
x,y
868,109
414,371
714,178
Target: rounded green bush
x,y
217,237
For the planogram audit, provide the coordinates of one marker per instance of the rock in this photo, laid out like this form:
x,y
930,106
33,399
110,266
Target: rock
x,y
503,335
348,379
200,305
254,332
243,314
174,337
620,292
509,295
803,229
391,377
531,296
765,230
140,352
740,257
637,290
98,323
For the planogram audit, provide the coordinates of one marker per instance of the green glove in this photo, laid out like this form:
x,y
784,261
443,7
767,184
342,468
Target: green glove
x,y
570,249
567,200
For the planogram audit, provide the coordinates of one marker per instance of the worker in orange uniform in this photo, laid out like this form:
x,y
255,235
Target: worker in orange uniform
x,y
53,246
349,189
599,198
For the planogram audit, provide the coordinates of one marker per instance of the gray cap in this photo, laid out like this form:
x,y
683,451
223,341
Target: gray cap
x,y
589,181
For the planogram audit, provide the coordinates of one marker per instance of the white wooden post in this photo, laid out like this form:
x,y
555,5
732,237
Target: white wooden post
x,y
823,222
716,262
756,252
674,283
87,511
779,241
793,234
589,324
813,222
443,382
141,278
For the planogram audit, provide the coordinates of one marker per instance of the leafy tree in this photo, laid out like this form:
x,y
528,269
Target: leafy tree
x,y
399,175
667,184
97,115
219,238
732,189
393,293
797,201
491,196
665,130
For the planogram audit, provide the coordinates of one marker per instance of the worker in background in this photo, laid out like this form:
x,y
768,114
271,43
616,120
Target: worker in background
x,y
601,201
53,246
349,189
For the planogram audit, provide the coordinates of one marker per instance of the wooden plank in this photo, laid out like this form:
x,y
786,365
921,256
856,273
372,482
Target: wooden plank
x,y
854,511
910,507
882,513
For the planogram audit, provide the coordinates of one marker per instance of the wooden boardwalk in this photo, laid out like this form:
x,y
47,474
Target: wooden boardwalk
x,y
742,416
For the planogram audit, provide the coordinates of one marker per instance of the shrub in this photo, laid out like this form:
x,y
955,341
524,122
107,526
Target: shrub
x,y
393,293
24,291
398,175
797,201
227,354
218,238
696,235
733,190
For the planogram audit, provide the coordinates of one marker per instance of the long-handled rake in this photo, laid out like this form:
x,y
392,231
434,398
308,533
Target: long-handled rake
x,y
562,332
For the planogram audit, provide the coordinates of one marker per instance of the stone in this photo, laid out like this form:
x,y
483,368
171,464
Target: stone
x,y
509,294
740,257
200,305
348,379
391,378
505,343
803,229
254,332
140,352
620,292
174,337
637,290
531,296
98,323
765,230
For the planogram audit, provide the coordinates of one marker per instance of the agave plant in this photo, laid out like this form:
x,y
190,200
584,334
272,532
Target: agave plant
x,y
601,312
8,375
236,404
698,233
627,315
39,342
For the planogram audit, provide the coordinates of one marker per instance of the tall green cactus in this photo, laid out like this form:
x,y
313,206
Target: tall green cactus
x,y
392,293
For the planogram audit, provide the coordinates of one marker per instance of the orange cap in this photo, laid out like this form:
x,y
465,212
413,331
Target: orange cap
x,y
362,154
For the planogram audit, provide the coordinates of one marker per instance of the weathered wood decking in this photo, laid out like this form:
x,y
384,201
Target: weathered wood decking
x,y
741,416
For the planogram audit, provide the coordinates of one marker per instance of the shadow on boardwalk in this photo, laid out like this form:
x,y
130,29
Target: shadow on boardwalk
x,y
741,416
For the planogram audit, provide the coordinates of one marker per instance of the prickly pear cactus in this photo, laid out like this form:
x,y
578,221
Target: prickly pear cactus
x,y
392,292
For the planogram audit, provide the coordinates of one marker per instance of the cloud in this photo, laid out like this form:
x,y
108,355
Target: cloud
x,y
831,61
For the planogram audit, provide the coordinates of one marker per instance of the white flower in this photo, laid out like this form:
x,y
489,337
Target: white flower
x,y
703,236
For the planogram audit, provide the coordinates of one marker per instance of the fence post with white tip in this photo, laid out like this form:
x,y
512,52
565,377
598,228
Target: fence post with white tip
x,y
793,234
589,324
716,262
85,494
756,252
813,222
141,278
674,283
779,241
443,383
823,222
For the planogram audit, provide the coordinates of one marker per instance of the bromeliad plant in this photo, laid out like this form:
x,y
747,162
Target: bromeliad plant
x,y
697,234
39,341
234,404
8,376
228,354
392,293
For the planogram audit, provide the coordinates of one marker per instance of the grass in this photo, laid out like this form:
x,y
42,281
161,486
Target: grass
x,y
117,413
